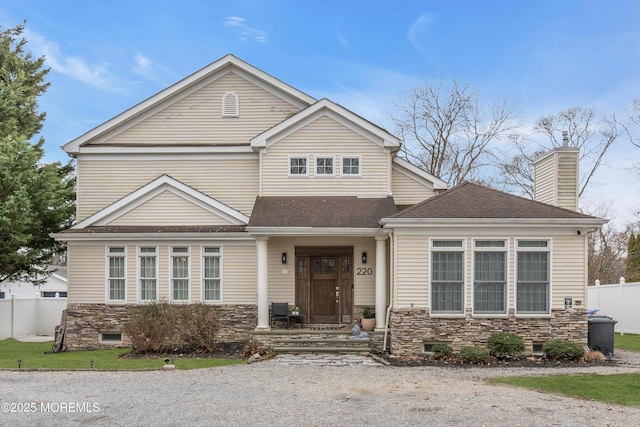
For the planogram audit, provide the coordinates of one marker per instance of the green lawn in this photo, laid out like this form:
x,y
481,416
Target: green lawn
x,y
629,342
621,389
32,356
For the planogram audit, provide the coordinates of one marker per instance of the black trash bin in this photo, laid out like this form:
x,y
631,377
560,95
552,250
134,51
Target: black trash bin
x,y
601,333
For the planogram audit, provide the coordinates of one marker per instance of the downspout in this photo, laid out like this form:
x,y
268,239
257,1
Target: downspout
x,y
392,268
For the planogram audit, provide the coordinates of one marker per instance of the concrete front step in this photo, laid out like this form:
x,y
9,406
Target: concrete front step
x,y
311,349
321,345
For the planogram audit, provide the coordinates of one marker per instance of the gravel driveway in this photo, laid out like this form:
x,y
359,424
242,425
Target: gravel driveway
x,y
270,393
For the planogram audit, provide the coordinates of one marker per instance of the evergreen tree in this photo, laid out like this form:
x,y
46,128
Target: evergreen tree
x,y
35,199
632,273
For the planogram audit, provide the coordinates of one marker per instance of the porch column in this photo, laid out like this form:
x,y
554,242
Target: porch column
x,y
381,281
263,282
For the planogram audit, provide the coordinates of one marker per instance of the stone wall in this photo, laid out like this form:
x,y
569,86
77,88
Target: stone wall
x,y
411,328
85,323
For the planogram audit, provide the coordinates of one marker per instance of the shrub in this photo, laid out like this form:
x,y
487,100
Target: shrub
x,y
367,312
563,350
160,327
474,354
504,345
441,351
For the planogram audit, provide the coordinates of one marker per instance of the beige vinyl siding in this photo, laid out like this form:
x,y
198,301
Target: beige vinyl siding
x,y
545,180
169,209
325,136
86,279
412,270
568,181
407,191
239,273
232,181
412,274
556,178
568,271
282,277
197,118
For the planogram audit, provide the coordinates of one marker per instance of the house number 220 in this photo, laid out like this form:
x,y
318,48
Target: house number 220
x,y
364,271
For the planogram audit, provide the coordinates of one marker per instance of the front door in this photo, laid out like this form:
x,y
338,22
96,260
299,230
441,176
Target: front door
x,y
324,284
325,290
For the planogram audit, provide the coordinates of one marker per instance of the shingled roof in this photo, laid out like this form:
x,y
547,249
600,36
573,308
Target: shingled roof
x,y
471,200
319,211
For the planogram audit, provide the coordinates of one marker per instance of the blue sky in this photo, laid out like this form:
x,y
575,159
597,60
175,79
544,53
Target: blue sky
x,y
543,55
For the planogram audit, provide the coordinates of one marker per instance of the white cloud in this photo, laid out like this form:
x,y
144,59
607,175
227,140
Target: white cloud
x,y
238,25
73,66
418,31
152,71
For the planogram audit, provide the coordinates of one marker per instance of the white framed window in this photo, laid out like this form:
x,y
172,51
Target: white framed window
x,y
447,276
298,165
116,273
230,105
148,273
490,277
324,165
351,165
212,274
180,289
533,272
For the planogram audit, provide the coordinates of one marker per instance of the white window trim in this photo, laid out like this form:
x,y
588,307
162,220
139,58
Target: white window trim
x,y
297,175
101,339
202,278
548,249
236,112
107,294
462,249
138,278
189,282
351,175
473,275
317,157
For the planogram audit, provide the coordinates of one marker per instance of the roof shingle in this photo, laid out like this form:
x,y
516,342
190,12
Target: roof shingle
x,y
320,211
471,200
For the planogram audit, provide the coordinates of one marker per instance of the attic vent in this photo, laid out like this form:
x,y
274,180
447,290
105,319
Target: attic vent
x,y
230,105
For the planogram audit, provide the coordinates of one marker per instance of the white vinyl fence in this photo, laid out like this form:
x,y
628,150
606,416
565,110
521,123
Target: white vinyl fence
x,y
30,316
620,301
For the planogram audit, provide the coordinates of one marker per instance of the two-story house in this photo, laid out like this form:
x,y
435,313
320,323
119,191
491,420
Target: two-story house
x,y
234,189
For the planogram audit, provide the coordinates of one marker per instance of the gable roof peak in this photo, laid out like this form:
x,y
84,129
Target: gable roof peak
x,y
183,87
337,112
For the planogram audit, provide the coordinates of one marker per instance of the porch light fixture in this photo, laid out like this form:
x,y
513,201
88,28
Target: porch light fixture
x,y
364,257
284,257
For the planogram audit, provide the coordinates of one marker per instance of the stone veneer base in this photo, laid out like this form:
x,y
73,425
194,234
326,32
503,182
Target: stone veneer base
x,y
86,322
411,328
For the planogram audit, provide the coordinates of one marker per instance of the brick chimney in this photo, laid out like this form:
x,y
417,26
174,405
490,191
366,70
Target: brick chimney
x,y
555,180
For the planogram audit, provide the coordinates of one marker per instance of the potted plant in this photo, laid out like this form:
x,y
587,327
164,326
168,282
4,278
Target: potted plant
x,y
368,320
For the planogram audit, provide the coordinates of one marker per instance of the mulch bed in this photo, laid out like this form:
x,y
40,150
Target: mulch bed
x,y
456,362
229,350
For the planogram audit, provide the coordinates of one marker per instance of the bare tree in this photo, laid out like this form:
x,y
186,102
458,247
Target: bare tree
x,y
592,134
633,114
447,131
607,246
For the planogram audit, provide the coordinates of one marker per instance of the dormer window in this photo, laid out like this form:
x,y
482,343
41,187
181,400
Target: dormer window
x,y
230,107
